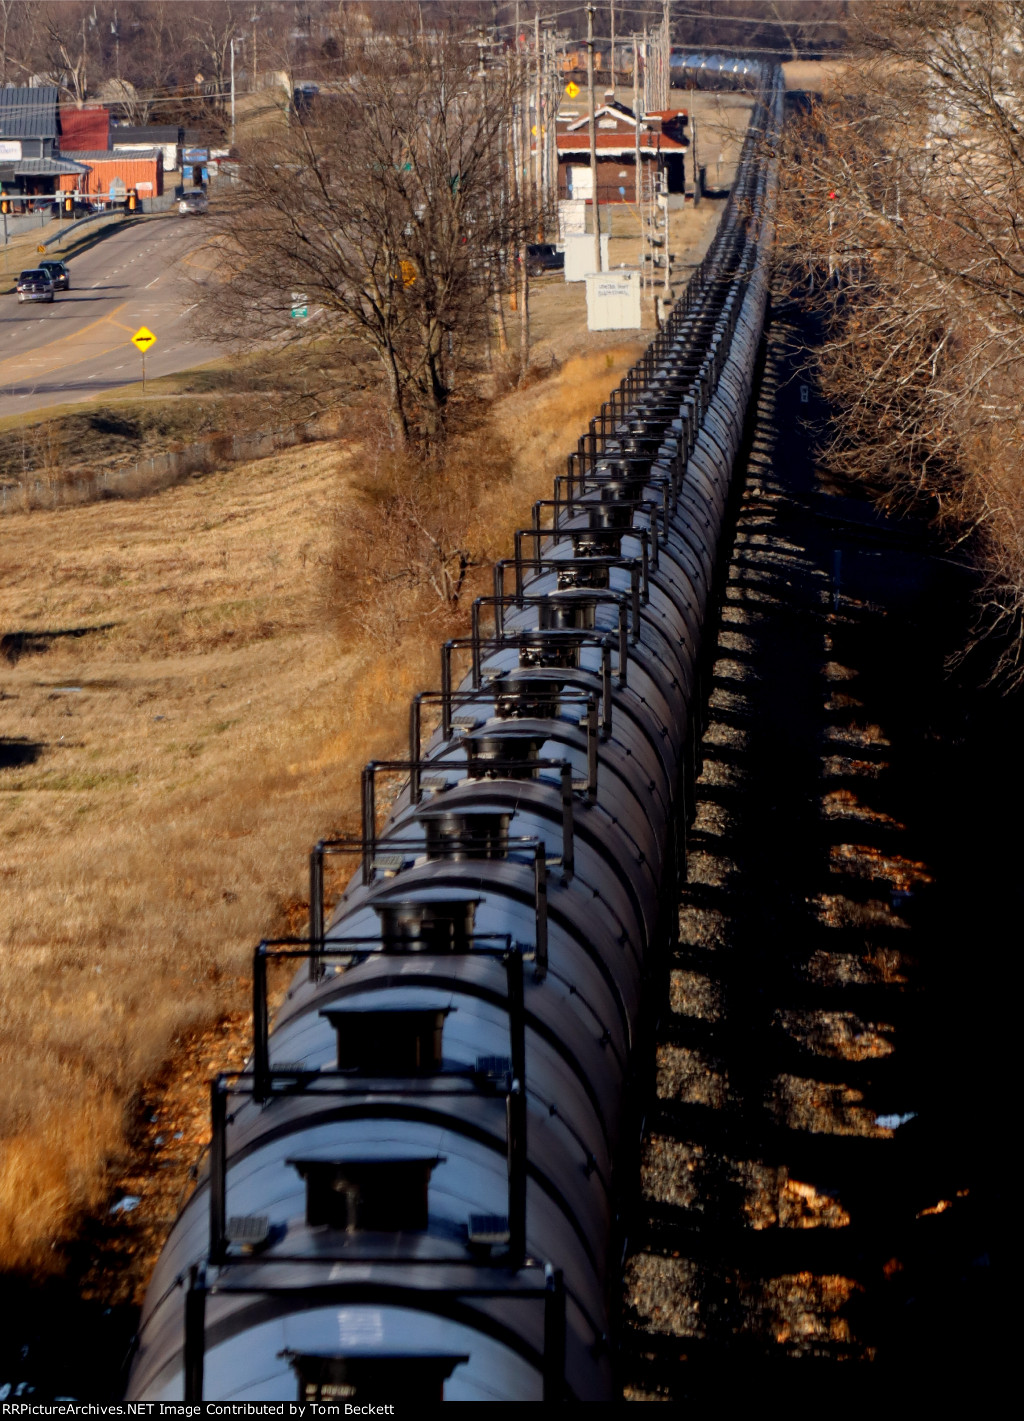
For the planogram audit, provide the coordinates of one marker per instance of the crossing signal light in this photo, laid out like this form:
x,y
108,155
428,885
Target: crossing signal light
x,y
68,204
5,205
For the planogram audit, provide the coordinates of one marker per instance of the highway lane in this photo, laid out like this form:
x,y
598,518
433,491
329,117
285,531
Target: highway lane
x,y
81,345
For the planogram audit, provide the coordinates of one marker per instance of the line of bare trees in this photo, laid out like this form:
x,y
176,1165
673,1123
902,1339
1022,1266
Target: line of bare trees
x,y
902,215
146,54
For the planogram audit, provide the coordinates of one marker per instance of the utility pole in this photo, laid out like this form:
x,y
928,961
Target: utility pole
x,y
666,54
255,18
638,175
668,260
611,6
232,93
636,115
526,198
551,106
538,123
593,137
647,77
696,165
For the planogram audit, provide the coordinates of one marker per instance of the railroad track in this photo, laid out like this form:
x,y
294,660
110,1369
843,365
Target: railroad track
x,y
413,1190
812,1214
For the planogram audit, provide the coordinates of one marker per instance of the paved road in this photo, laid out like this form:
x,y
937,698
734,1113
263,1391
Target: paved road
x,y
81,344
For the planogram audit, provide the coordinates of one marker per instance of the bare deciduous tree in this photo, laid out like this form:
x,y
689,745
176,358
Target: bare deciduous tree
x,y
903,208
382,207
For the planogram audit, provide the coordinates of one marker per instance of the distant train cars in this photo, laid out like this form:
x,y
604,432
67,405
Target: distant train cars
x,y
412,1190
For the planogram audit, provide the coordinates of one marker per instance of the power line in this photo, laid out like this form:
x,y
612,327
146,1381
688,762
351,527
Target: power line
x,y
724,19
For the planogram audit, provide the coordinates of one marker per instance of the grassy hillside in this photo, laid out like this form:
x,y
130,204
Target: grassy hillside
x,y
183,712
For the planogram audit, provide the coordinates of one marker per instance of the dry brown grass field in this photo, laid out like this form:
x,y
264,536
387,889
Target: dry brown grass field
x,y
165,768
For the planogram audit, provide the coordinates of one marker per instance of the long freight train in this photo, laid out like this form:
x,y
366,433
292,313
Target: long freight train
x,y
411,1192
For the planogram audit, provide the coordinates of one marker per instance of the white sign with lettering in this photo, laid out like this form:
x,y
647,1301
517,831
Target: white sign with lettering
x,y
10,150
613,301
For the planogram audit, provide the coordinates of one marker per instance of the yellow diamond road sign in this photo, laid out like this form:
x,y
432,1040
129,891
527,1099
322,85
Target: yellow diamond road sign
x,y
143,339
572,89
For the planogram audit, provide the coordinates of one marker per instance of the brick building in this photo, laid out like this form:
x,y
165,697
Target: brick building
x,y
663,147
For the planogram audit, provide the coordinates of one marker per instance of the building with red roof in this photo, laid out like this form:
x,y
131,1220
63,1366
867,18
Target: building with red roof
x,y
84,129
662,142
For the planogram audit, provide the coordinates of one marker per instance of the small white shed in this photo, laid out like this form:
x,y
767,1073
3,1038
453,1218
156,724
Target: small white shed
x,y
579,255
613,300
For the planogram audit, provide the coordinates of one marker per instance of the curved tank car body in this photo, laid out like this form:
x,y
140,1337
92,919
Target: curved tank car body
x,y
412,1189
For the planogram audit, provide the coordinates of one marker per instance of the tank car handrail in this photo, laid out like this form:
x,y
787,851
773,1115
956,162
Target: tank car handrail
x,y
604,640
262,1087
451,701
479,645
639,591
567,787
359,844
664,475
561,508
343,987
645,536
550,1362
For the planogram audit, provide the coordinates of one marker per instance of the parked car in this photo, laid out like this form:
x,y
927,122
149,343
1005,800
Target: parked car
x,y
35,285
193,204
57,272
543,256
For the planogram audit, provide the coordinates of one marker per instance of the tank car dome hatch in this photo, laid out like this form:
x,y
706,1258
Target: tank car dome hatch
x,y
475,832
568,609
548,646
505,754
428,923
411,1189
610,506
519,695
387,1041
588,572
600,539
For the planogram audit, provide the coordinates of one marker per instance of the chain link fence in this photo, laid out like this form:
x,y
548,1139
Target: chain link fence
x,y
44,490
